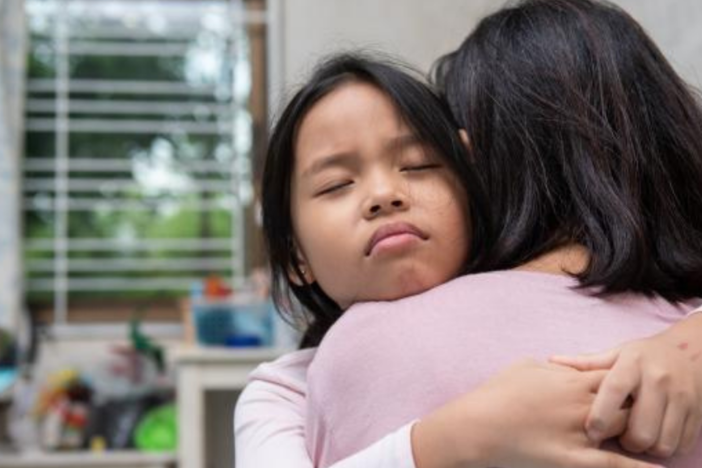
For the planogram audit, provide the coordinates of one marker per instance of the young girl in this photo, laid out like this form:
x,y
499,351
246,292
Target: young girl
x,y
307,274
306,212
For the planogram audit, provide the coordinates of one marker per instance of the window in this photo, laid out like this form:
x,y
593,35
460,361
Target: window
x,y
143,119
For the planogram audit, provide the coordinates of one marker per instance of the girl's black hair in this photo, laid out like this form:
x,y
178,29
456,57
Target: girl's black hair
x,y
584,134
420,108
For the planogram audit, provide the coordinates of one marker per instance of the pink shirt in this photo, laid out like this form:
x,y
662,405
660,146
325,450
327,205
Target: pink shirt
x,y
384,365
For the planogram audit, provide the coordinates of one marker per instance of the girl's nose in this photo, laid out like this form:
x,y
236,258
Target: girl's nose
x,y
385,201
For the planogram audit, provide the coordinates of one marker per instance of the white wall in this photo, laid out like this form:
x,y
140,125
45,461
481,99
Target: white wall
x,y
416,30
421,30
674,26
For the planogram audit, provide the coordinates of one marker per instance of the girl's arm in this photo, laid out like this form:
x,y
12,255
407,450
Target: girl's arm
x,y
663,376
269,423
269,418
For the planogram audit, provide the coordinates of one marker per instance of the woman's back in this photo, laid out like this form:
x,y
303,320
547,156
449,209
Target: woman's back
x,y
384,364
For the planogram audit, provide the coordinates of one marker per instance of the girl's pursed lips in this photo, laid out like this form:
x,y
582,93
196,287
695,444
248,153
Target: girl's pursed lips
x,y
391,230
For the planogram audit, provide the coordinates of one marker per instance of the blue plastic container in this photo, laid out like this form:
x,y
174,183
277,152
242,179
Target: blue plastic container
x,y
227,323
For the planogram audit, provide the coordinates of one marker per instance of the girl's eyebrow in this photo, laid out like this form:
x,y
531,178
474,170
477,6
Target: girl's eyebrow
x,y
402,141
325,162
347,159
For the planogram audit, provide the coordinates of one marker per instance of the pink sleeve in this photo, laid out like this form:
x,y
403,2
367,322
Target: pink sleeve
x,y
269,423
696,311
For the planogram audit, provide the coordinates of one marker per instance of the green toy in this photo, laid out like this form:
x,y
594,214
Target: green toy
x,y
158,430
145,345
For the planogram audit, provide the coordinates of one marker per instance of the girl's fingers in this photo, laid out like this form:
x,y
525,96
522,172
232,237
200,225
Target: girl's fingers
x,y
594,379
691,433
585,362
671,430
618,425
599,458
618,384
646,419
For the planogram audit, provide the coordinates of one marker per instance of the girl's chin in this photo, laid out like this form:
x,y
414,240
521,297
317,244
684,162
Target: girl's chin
x,y
411,287
404,285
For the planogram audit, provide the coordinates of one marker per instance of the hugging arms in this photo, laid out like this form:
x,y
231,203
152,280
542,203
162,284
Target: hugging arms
x,y
270,419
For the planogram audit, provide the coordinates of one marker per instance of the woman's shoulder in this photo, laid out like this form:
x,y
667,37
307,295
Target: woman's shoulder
x,y
471,296
512,278
476,289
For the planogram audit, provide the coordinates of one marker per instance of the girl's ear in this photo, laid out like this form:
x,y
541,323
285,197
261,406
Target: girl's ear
x,y
464,138
466,142
294,276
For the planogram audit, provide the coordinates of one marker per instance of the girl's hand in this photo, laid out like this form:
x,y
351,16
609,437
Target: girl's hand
x,y
662,375
531,415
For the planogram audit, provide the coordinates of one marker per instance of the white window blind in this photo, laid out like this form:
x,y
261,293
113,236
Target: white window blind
x,y
140,135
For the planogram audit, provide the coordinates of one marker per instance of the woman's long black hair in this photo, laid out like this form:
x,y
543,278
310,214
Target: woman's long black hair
x,y
420,108
584,134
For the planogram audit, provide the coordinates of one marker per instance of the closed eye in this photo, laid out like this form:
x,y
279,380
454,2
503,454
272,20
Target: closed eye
x,y
334,188
421,167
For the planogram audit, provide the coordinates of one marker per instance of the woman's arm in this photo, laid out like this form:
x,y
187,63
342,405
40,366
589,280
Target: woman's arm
x,y
526,416
531,415
662,374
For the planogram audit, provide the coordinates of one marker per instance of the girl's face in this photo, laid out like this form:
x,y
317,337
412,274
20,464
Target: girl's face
x,y
376,215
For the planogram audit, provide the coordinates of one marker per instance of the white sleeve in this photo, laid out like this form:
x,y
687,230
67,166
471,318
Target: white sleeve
x,y
392,451
269,423
269,418
695,311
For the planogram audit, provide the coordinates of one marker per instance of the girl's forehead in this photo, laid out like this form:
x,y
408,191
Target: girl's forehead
x,y
352,113
353,98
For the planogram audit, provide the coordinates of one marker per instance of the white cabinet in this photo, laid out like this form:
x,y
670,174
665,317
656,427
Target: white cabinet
x,y
110,459
201,370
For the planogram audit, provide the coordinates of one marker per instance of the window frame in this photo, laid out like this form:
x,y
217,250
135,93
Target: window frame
x,y
63,324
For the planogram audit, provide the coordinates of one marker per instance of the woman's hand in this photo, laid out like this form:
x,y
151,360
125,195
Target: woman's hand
x,y
531,415
662,375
